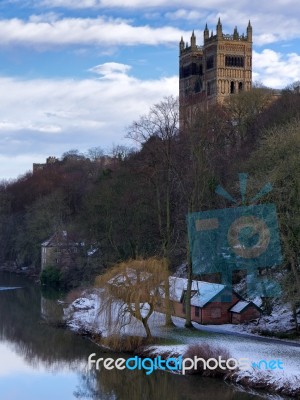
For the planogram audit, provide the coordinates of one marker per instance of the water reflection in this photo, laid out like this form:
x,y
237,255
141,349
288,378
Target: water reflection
x,y
22,325
49,363
108,385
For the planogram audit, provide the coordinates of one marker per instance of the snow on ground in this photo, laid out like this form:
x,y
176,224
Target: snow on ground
x,y
83,316
243,347
281,320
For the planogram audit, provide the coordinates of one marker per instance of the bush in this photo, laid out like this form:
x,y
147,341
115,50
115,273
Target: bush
x,y
124,343
51,276
206,351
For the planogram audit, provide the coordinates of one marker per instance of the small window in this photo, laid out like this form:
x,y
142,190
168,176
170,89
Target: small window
x,y
186,71
240,86
197,88
197,311
193,69
183,308
208,88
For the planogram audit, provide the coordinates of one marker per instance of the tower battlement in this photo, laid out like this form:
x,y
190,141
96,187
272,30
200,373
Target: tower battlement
x,y
208,39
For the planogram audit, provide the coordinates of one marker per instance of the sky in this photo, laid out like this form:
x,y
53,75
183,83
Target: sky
x,y
75,73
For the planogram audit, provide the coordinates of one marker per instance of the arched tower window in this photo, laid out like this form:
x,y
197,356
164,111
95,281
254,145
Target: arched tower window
x,y
231,87
198,86
210,62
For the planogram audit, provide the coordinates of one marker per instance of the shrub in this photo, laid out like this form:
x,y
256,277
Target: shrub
x,y
124,343
51,276
207,351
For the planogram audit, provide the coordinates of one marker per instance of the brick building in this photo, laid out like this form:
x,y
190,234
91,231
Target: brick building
x,y
211,303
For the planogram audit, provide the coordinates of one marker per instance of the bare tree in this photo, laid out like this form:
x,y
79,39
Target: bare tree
x,y
199,149
95,153
160,128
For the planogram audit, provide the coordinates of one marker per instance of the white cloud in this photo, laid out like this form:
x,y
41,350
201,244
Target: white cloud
x,y
184,14
47,17
110,69
274,69
283,7
83,31
75,4
132,3
50,116
7,126
272,22
71,3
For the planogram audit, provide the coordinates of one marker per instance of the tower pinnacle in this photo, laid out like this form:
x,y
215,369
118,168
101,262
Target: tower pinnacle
x,y
193,40
235,33
181,44
219,28
249,32
206,33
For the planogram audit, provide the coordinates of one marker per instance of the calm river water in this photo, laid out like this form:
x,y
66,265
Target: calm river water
x,y
38,361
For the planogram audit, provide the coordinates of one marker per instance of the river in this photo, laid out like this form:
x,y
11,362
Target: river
x,y
39,361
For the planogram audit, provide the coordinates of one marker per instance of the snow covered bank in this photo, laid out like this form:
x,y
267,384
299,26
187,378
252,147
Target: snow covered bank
x,y
83,316
276,381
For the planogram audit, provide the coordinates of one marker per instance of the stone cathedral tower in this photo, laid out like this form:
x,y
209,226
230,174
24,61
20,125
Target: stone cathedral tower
x,y
210,73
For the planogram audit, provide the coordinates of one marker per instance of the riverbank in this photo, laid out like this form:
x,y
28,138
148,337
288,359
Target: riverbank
x,y
82,316
259,380
18,270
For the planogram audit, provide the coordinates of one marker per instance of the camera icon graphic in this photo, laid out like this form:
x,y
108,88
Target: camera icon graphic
x,y
237,238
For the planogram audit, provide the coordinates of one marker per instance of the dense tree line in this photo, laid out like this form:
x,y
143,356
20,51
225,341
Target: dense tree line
x,y
136,204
